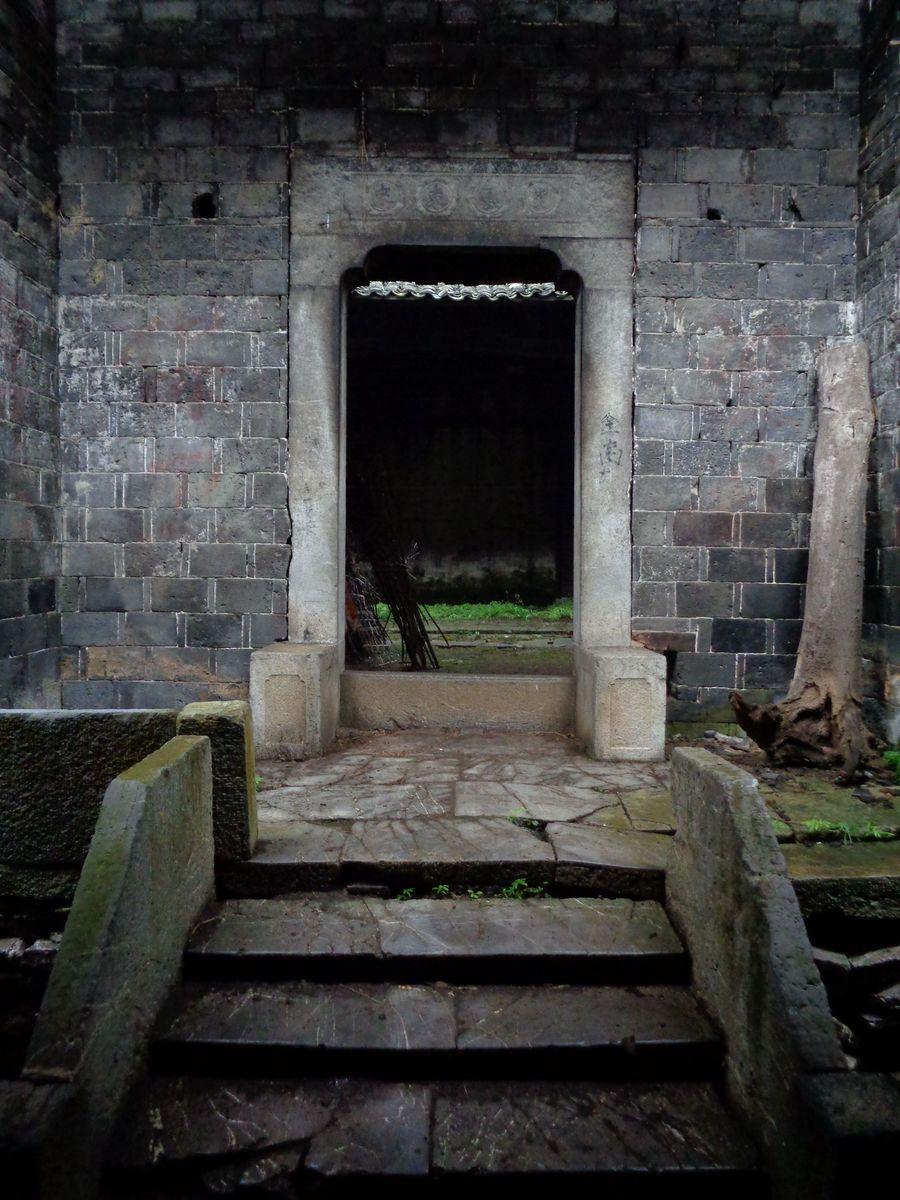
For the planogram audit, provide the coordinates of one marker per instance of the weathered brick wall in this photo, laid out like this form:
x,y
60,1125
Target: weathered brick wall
x,y
879,319
744,117
29,412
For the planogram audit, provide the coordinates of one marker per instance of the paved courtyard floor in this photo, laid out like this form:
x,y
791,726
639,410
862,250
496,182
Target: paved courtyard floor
x,y
540,777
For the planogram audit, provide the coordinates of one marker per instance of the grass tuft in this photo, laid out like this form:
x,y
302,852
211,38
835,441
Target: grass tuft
x,y
849,831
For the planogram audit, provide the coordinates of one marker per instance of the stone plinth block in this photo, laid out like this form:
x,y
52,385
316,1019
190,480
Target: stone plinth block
x,y
295,697
55,765
620,706
229,727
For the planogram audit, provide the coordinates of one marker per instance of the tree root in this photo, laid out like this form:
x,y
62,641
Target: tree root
x,y
810,730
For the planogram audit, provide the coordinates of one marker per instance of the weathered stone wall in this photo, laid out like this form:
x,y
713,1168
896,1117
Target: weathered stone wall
x,y
54,769
29,412
174,347
878,247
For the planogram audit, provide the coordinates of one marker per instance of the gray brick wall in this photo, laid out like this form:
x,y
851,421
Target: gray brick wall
x,y
878,245
173,344
29,414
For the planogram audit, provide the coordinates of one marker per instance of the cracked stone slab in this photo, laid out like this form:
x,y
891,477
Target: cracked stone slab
x,y
502,1026
416,768
383,1129
540,802
330,936
308,927
595,857
650,811
289,855
442,848
533,770
355,801
646,1129
272,1129
236,1133
583,928
310,1017
566,1017
173,1118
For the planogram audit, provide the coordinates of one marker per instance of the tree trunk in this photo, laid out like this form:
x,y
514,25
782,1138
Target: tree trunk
x,y
820,723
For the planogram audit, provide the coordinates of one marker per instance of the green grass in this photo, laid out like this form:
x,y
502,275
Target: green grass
x,y
496,610
518,889
892,758
848,831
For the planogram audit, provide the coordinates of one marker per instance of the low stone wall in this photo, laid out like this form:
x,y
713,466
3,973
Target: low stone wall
x,y
147,876
729,894
55,765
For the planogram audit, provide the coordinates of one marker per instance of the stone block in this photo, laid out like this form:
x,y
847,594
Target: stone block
x,y
620,706
412,699
147,877
295,698
54,768
229,726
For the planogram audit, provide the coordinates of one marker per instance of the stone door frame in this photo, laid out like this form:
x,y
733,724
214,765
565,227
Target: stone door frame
x,y
581,211
584,212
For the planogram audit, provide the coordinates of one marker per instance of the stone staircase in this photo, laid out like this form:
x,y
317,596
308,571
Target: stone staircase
x,y
328,1034
327,1041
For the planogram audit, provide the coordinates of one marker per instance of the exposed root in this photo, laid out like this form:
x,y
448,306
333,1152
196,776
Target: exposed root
x,y
809,730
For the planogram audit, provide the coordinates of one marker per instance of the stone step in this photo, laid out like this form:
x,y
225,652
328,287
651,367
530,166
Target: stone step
x,y
459,851
332,936
422,699
222,1136
410,1031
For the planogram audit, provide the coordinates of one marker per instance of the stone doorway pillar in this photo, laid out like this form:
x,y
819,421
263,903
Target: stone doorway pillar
x,y
584,213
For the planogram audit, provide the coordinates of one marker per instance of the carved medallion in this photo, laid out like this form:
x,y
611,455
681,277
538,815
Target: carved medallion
x,y
384,197
489,198
436,197
541,199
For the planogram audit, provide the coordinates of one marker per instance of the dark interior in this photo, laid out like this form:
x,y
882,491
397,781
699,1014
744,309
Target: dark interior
x,y
462,411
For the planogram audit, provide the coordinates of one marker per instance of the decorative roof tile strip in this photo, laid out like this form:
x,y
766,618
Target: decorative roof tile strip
x,y
461,291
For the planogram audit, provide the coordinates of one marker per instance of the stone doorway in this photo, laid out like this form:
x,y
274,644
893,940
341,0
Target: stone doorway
x,y
583,213
460,434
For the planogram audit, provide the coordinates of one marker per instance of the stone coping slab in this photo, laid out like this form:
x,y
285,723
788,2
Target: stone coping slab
x,y
229,726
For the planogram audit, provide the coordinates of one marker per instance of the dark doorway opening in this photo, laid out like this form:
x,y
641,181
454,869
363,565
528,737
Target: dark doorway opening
x,y
460,415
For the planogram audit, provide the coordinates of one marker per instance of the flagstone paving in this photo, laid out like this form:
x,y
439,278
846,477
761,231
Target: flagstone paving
x,y
438,773
463,809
